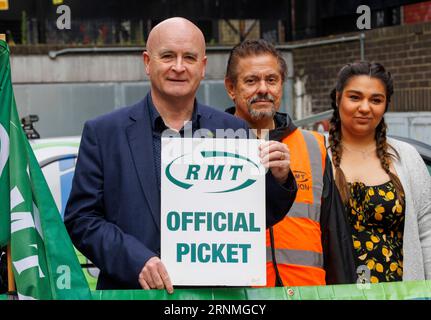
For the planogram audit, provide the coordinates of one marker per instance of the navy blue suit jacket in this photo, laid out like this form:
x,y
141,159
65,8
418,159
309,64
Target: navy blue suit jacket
x,y
113,212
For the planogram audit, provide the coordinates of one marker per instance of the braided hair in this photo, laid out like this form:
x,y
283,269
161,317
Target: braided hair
x,y
385,152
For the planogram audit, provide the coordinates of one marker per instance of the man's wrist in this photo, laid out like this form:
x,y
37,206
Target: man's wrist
x,y
290,182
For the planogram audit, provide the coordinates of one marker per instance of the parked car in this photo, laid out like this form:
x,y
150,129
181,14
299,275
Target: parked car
x,y
423,149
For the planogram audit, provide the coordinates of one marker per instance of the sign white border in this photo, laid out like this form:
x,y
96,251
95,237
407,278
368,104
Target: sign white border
x,y
213,212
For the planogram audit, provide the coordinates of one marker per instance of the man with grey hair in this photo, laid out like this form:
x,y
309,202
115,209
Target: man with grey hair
x,y
310,246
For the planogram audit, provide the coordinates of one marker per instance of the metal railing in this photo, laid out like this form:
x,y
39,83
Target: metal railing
x,y
284,47
313,118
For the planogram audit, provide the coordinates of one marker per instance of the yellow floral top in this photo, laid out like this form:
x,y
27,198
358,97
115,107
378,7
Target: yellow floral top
x,y
377,220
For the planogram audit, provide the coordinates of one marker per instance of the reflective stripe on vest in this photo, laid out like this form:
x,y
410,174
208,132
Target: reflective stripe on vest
x,y
314,155
300,257
311,210
297,238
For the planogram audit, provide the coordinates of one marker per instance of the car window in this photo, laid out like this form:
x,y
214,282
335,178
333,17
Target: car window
x,y
427,161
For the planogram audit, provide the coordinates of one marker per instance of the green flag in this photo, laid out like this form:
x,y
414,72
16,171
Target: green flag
x,y
44,262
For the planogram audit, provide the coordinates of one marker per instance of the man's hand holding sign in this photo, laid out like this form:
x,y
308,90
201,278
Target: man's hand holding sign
x,y
213,212
276,156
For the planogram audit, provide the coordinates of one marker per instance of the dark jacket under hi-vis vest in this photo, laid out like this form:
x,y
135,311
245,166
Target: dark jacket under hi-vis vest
x,y
297,239
317,245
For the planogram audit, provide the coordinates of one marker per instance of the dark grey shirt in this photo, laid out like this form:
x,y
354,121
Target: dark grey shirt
x,y
158,126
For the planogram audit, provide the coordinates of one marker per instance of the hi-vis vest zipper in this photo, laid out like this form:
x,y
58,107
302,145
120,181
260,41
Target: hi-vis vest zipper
x,y
297,238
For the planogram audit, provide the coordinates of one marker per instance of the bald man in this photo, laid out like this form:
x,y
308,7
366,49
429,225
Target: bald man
x,y
113,212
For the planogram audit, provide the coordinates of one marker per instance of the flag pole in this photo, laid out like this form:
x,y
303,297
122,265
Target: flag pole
x,y
10,277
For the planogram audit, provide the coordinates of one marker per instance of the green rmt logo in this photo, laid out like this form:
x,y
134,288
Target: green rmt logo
x,y
211,172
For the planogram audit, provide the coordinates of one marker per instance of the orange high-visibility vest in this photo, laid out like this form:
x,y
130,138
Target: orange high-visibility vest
x,y
297,238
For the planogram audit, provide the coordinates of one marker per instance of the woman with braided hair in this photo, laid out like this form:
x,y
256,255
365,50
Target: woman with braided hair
x,y
383,183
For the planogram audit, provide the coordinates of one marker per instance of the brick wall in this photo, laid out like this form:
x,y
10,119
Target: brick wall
x,y
404,50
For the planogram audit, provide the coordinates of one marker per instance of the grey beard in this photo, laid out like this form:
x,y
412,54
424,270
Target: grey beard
x,y
258,115
261,114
